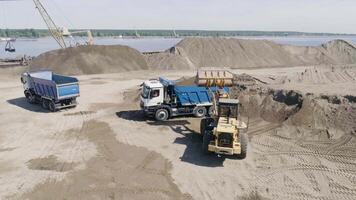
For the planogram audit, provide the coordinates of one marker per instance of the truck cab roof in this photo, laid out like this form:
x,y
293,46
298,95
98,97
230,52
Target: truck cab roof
x,y
153,83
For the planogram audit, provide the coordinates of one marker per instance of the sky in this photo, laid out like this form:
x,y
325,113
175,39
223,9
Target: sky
x,y
332,16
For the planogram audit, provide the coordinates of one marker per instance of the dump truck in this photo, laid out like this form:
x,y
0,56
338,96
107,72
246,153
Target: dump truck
x,y
163,99
52,91
223,131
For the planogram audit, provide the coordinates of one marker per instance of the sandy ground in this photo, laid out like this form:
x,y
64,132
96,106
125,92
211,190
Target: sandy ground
x,y
105,149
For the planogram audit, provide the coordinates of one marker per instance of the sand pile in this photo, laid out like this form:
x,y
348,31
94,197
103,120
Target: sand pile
x,y
341,51
91,60
333,115
275,106
192,53
336,115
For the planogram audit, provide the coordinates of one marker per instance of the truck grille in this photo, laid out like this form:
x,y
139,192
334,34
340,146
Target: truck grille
x,y
225,140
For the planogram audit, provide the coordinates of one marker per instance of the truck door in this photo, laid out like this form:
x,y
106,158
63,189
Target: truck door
x,y
156,96
25,80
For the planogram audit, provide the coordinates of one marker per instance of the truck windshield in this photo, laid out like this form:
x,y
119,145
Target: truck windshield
x,y
145,91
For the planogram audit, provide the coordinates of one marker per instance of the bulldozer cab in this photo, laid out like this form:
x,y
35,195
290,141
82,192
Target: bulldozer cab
x,y
228,108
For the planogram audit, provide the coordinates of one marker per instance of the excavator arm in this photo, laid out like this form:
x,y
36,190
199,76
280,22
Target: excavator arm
x,y
52,27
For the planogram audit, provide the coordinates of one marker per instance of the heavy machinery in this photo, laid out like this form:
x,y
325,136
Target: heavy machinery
x,y
9,47
164,99
52,91
59,33
222,132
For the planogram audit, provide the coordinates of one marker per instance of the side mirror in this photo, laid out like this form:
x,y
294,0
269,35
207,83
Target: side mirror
x,y
22,80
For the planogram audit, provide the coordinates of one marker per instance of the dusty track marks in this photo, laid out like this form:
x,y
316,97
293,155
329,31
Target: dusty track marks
x,y
118,171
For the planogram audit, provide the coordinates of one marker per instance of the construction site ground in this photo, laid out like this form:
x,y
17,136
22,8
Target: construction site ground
x,y
106,149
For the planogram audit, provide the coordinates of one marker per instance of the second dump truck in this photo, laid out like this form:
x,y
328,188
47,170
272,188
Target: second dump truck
x,y
51,90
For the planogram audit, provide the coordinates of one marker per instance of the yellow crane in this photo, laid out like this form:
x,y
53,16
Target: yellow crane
x,y
52,27
58,33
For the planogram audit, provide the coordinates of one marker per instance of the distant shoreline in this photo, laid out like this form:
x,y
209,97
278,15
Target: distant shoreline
x,y
40,33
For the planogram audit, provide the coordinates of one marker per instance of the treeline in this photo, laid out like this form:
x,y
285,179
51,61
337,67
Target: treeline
x,y
37,33
23,33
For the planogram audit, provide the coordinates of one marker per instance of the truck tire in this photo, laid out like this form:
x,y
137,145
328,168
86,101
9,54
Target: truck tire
x,y
52,106
30,97
199,112
202,126
243,141
162,115
45,104
207,137
206,124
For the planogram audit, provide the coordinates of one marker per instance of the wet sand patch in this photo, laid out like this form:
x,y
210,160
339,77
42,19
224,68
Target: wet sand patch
x,y
119,171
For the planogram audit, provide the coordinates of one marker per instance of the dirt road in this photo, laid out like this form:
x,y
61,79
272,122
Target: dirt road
x,y
105,149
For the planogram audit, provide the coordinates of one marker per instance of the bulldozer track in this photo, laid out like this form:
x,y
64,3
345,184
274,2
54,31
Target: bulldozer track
x,y
263,129
341,142
47,149
308,171
338,172
296,158
144,165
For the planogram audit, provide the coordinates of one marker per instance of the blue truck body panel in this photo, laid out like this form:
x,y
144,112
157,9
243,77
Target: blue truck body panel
x,y
52,86
191,95
194,95
66,91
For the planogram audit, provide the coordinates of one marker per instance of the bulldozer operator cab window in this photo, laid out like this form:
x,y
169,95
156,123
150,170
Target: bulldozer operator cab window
x,y
228,111
154,94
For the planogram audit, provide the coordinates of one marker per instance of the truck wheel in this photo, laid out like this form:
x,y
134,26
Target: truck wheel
x,y
162,115
202,126
30,97
207,137
51,106
45,104
206,124
199,112
243,142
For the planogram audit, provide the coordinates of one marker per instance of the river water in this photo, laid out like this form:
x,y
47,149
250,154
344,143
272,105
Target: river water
x,y
34,47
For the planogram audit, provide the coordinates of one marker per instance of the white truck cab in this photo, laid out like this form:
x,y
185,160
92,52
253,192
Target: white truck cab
x,y
164,99
152,93
26,81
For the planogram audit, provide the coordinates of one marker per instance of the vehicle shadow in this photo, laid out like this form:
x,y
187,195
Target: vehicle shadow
x,y
132,115
24,104
192,139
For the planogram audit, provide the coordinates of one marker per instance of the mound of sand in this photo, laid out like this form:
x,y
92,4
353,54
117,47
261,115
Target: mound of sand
x,y
334,115
91,60
341,51
193,53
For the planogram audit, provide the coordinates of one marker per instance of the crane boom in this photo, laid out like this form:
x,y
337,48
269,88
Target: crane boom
x,y
52,27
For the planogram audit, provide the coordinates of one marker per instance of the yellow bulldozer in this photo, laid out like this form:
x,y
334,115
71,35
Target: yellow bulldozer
x,y
223,131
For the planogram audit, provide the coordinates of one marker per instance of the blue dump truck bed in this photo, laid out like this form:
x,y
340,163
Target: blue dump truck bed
x,y
54,86
191,95
195,95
